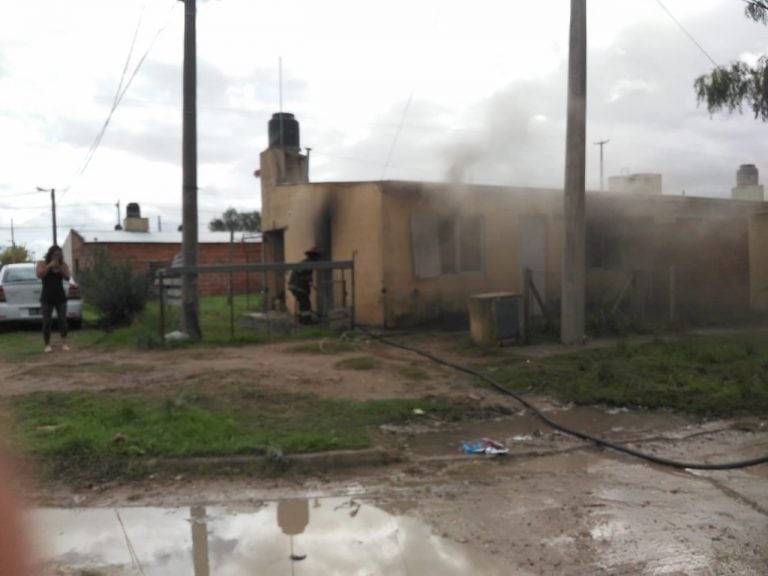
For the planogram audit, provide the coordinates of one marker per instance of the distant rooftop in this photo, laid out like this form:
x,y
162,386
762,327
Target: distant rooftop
x,y
172,237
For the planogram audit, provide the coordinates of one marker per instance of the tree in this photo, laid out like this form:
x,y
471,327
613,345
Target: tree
x,y
234,221
13,254
732,86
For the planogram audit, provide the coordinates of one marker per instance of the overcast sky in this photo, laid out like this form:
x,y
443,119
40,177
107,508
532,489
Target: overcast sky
x,y
394,90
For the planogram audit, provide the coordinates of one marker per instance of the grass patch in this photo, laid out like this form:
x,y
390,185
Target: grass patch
x,y
21,344
92,368
115,368
87,435
24,342
324,346
413,372
712,375
358,363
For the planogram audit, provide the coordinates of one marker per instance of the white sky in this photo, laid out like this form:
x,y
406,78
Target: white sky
x,y
486,84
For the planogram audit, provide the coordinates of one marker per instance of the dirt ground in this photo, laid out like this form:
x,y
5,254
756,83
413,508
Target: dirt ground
x,y
289,367
553,505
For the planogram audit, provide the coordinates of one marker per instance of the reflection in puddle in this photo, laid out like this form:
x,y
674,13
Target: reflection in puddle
x,y
609,531
324,536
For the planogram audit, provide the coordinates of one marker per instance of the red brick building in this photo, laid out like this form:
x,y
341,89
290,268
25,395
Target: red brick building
x,y
148,251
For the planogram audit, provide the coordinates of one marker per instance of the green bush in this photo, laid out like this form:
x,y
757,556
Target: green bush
x,y
114,290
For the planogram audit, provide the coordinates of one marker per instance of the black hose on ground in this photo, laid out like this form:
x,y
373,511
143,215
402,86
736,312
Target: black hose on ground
x,y
562,428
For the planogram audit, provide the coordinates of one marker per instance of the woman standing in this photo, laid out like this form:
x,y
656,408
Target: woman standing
x,y
53,271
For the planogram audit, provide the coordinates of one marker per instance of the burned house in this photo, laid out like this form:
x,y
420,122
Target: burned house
x,y
422,249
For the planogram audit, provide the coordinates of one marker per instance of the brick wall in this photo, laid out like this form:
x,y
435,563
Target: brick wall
x,y
147,257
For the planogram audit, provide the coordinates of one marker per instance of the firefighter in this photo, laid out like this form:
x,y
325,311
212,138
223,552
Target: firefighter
x,y
300,285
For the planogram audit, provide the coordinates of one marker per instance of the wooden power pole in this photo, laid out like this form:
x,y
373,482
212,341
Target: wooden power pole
x,y
53,210
574,257
189,292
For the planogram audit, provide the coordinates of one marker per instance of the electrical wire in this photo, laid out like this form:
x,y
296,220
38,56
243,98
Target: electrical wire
x,y
690,36
397,134
566,429
16,194
115,100
121,91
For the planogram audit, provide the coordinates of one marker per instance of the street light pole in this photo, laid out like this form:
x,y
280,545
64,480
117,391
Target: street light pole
x,y
601,143
53,209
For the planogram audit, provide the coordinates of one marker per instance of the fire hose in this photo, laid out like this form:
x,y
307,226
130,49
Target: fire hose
x,y
602,442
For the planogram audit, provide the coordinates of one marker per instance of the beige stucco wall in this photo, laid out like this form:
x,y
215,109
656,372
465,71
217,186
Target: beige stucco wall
x,y
411,300
344,216
758,262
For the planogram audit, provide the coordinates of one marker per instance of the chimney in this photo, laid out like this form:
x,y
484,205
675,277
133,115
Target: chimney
x,y
133,221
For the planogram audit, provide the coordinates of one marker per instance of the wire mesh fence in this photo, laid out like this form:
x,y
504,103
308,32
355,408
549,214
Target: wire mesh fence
x,y
237,300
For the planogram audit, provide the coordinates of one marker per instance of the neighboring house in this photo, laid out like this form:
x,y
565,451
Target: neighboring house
x,y
148,251
421,249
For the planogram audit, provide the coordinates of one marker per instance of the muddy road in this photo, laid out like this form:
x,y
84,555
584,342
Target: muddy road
x,y
553,505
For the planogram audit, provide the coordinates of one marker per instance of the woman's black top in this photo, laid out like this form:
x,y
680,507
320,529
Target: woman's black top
x,y
53,288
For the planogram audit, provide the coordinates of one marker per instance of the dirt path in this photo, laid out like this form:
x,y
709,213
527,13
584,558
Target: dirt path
x,y
291,367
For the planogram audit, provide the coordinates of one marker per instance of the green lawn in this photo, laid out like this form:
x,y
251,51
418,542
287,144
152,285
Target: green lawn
x,y
102,434
705,375
26,342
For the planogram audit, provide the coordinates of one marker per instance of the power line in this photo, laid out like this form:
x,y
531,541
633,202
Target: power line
x,y
115,100
47,227
48,206
397,134
17,194
121,90
5,207
690,36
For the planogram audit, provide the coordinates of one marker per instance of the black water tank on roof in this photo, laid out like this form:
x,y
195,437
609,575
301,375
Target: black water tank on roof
x,y
285,124
747,175
133,210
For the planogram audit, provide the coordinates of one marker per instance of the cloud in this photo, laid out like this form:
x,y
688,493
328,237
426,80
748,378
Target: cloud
x,y
640,96
487,103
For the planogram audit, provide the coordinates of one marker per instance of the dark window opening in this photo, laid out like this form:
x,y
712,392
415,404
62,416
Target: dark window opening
x,y
446,238
446,245
471,244
603,243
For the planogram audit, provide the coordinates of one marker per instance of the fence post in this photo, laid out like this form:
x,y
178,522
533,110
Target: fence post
x,y
231,314
352,314
161,276
672,294
527,303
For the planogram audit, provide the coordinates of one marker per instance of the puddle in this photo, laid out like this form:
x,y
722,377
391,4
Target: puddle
x,y
317,536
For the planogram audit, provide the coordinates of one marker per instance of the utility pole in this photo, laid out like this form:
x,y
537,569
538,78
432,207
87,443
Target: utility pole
x,y
601,143
189,295
13,235
117,206
53,209
573,282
